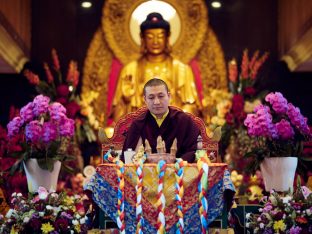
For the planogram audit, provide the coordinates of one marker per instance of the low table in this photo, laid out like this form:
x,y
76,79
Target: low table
x,y
103,186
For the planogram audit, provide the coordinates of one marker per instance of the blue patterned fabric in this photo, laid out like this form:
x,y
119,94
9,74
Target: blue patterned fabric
x,y
106,198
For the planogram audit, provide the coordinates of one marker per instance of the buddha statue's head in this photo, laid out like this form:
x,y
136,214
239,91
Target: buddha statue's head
x,y
155,32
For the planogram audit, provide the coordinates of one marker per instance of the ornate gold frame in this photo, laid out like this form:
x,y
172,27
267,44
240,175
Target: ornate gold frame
x,y
113,39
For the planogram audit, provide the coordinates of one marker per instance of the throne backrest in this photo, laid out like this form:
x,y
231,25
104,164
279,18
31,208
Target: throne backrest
x,y
124,123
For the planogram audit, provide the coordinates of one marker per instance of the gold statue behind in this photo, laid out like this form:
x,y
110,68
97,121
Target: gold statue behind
x,y
155,61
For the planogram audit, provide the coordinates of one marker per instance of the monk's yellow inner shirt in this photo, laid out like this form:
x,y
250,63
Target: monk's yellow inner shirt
x,y
160,120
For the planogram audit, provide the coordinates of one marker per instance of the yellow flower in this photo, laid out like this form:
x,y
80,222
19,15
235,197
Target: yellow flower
x,y
46,228
279,225
13,231
68,200
77,228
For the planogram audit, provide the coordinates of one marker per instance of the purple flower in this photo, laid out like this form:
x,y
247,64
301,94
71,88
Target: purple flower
x,y
14,126
260,123
35,224
26,112
295,230
67,127
49,132
278,102
297,119
57,111
33,131
40,105
66,215
268,231
61,224
284,129
267,207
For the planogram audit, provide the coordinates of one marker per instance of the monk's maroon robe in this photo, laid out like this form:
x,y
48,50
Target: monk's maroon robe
x,y
177,124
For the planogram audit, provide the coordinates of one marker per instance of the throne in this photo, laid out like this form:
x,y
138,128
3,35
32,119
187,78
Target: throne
x,y
210,144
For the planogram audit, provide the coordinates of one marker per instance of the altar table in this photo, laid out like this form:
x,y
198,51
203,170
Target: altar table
x,y
104,186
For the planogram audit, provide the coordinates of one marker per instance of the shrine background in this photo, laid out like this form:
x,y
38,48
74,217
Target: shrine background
x,y
68,28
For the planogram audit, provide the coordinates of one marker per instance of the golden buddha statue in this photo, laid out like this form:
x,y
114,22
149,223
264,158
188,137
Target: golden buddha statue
x,y
155,61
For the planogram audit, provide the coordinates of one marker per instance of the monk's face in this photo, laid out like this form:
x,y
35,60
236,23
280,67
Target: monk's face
x,y
157,99
155,40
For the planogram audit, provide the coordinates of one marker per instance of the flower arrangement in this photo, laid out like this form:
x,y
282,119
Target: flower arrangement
x,y
281,128
235,142
64,91
217,104
45,132
283,214
45,212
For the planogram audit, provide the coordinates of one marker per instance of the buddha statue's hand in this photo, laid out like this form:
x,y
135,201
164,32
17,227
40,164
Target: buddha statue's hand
x,y
127,88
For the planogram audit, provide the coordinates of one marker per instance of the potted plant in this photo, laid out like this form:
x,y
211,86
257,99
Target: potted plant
x,y
280,130
283,214
45,212
45,134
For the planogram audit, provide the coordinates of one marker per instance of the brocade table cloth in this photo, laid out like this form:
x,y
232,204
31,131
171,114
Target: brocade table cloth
x,y
104,186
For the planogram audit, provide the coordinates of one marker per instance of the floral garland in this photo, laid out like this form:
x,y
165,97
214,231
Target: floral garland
x,y
203,168
138,188
179,191
161,201
121,190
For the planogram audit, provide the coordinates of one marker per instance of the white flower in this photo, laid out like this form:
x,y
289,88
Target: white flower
x,y
77,216
258,219
43,193
75,222
261,225
9,213
82,221
41,214
308,212
247,225
19,195
286,199
248,215
13,194
72,232
26,220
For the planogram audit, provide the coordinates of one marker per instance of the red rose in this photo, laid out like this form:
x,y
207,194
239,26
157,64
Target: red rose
x,y
237,106
249,91
301,220
62,90
72,109
61,100
229,118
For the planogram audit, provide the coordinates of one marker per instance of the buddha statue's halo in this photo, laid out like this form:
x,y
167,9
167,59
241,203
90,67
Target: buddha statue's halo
x,y
165,9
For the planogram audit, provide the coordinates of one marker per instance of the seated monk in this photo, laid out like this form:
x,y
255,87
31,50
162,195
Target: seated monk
x,y
161,120
155,61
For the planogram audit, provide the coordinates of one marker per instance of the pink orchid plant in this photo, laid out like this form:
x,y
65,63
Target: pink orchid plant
x,y
63,89
45,212
46,132
280,128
